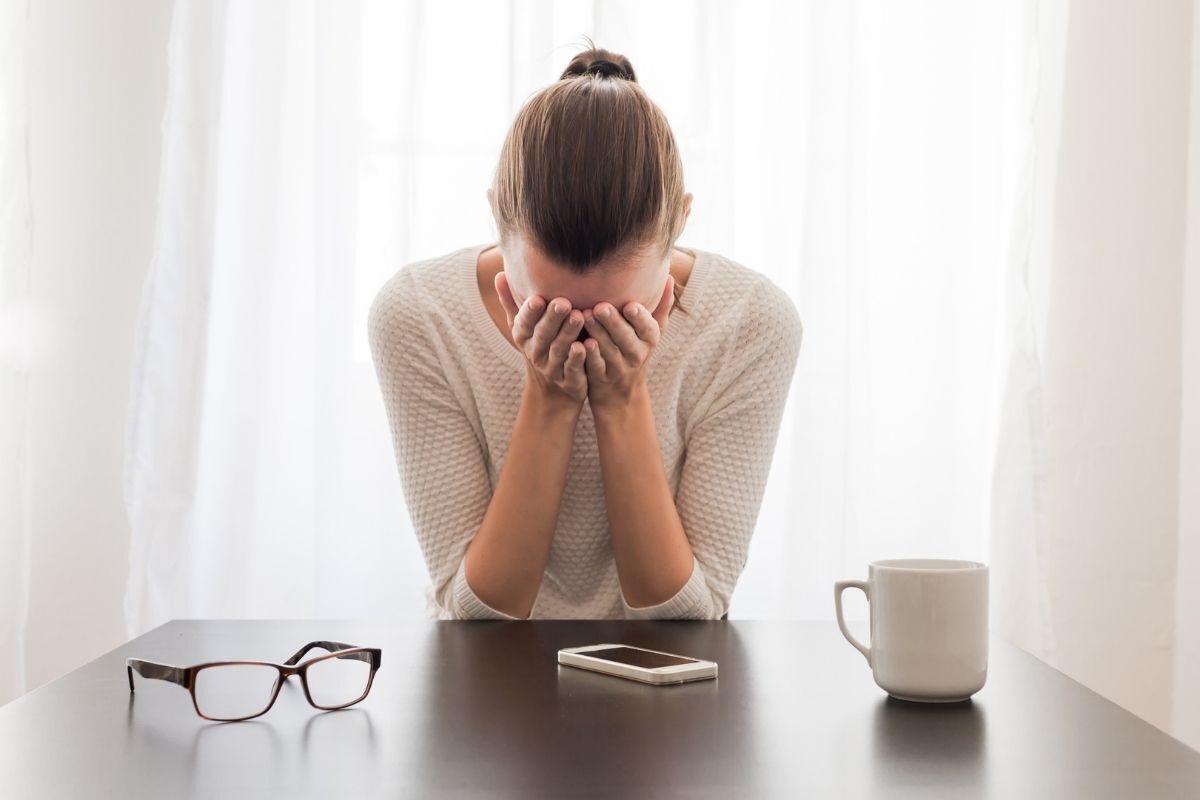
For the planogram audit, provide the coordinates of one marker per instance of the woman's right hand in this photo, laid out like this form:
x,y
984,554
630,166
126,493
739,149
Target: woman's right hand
x,y
547,336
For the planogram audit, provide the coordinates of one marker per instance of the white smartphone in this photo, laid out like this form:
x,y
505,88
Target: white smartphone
x,y
638,663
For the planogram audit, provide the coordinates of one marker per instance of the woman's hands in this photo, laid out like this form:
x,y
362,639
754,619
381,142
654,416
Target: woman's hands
x,y
608,367
620,346
546,336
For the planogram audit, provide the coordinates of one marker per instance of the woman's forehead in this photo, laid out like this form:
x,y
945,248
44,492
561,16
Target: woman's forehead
x,y
614,285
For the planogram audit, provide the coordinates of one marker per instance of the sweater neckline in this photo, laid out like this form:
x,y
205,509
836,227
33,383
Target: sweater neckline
x,y
486,326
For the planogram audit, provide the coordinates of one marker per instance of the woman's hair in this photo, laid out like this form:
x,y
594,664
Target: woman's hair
x,y
590,168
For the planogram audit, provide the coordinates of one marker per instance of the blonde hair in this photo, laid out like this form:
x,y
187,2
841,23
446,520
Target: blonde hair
x,y
590,169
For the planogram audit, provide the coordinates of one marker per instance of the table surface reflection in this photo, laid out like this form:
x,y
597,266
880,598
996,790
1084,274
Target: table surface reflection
x,y
482,708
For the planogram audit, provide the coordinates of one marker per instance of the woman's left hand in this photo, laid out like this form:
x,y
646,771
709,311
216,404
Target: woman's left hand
x,y
619,346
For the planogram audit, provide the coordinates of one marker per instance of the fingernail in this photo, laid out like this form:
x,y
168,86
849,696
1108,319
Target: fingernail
x,y
603,311
535,304
631,312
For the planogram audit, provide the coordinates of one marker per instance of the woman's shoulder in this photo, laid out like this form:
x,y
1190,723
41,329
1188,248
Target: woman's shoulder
x,y
747,302
417,291
421,282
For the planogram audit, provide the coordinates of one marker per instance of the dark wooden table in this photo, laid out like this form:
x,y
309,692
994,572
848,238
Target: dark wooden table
x,y
482,709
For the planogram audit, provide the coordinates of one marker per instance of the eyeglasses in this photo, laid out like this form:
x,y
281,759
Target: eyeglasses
x,y
228,691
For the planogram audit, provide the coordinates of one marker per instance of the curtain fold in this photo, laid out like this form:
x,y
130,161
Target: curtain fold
x,y
1020,562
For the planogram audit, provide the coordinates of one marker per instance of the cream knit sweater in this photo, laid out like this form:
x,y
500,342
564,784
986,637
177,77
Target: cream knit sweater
x,y
452,383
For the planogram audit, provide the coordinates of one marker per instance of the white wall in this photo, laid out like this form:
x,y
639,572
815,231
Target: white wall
x,y
1186,713
1088,561
97,82
1111,378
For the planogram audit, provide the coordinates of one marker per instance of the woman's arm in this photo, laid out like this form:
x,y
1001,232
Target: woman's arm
x,y
442,464
679,558
654,558
506,560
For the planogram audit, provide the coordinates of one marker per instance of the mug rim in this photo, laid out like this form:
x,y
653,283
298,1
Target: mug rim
x,y
933,565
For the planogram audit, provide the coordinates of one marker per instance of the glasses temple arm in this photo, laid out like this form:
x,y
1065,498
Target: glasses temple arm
x,y
331,647
149,669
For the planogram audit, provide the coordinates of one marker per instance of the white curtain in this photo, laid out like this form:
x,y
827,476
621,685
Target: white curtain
x,y
259,478
863,156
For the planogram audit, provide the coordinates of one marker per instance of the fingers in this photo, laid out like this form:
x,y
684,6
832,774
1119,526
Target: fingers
x,y
574,374
561,345
608,349
594,362
547,329
526,319
506,298
621,332
645,327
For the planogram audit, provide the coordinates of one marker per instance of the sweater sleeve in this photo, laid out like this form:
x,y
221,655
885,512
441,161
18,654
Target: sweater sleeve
x,y
441,464
728,457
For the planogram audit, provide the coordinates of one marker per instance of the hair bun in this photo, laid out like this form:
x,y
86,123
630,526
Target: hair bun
x,y
601,62
605,68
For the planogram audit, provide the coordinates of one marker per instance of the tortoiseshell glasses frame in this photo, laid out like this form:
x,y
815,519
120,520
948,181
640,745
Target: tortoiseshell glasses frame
x,y
186,676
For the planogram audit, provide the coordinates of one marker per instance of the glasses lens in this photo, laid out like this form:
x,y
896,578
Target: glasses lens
x,y
340,680
232,691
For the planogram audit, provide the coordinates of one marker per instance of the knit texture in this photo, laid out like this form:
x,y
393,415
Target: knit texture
x,y
451,386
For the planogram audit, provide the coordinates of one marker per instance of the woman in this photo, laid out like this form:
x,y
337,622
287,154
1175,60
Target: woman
x,y
584,414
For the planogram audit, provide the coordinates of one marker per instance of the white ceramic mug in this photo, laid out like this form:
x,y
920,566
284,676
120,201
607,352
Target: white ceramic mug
x,y
929,627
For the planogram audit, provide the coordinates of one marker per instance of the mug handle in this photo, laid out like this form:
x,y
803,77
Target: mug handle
x,y
838,588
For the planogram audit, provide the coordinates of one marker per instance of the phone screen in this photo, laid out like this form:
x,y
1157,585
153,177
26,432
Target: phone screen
x,y
638,658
